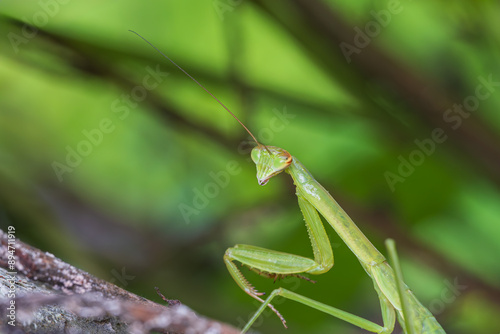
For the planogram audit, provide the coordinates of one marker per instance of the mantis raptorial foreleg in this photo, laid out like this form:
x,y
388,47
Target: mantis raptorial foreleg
x,y
278,263
313,198
348,317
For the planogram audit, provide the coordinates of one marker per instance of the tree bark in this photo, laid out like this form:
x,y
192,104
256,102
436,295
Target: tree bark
x,y
40,293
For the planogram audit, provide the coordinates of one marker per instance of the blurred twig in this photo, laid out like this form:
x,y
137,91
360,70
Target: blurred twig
x,y
387,227
474,137
83,57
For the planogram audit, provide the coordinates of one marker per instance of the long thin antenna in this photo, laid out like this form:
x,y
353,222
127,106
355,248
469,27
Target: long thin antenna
x,y
199,84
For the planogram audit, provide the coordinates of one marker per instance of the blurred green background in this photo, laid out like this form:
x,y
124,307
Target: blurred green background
x,y
142,179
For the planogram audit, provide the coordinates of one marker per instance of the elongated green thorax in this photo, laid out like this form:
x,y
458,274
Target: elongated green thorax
x,y
274,160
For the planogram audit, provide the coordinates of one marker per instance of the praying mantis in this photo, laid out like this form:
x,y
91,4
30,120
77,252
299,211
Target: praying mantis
x,y
396,299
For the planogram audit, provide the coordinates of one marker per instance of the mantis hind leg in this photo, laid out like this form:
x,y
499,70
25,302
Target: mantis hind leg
x,y
414,317
348,317
406,322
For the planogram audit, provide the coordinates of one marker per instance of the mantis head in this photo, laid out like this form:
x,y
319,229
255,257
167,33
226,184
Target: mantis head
x,y
270,161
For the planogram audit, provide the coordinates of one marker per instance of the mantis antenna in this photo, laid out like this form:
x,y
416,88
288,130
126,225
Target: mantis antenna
x,y
199,84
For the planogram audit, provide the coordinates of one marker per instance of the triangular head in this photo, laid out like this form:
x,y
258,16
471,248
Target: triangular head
x,y
270,161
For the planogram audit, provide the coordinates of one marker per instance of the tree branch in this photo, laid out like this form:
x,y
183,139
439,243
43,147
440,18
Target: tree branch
x,y
46,294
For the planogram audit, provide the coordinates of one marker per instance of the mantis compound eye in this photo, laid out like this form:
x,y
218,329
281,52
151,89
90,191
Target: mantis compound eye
x,y
255,155
282,161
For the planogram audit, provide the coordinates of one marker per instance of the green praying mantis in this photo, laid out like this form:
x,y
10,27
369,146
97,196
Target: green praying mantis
x,y
396,299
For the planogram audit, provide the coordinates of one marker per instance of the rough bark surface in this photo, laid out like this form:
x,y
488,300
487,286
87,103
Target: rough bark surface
x,y
40,293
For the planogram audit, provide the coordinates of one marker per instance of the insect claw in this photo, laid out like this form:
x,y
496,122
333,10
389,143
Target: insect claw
x,y
283,321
